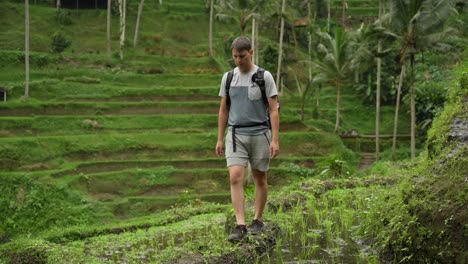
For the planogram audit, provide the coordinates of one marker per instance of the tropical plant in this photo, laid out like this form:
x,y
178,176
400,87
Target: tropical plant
x,y
239,10
60,42
335,63
418,25
303,90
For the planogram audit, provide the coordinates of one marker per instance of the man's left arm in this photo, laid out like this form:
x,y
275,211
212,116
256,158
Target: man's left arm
x,y
274,120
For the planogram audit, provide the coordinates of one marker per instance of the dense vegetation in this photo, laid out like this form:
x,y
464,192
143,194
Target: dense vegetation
x,y
113,160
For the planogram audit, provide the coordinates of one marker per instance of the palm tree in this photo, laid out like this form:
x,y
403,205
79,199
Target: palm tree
x,y
240,10
137,24
336,63
303,92
280,49
108,41
26,48
418,24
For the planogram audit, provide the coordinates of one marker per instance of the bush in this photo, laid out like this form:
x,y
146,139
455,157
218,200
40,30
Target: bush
x,y
63,18
60,42
30,206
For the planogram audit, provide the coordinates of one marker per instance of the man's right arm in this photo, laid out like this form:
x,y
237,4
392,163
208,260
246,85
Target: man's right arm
x,y
222,122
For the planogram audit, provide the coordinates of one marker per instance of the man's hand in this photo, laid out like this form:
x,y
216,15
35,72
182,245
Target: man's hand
x,y
274,149
219,148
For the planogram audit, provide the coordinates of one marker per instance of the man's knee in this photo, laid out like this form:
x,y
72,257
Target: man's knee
x,y
260,177
236,175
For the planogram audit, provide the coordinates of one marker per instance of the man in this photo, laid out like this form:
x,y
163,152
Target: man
x,y
253,133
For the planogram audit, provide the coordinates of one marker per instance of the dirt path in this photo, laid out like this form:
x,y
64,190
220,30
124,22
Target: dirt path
x,y
367,158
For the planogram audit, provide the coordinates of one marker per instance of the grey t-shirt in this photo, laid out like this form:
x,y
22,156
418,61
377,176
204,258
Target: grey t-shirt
x,y
247,106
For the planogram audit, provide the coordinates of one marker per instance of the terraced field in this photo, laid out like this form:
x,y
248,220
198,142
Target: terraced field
x,y
160,136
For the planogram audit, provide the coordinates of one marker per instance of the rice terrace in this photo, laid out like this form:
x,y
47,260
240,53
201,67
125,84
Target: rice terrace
x,y
109,122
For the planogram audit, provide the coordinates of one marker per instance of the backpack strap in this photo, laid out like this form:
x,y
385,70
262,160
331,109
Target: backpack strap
x,y
259,79
227,86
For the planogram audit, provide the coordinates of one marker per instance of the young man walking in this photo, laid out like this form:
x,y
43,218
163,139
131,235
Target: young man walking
x,y
252,118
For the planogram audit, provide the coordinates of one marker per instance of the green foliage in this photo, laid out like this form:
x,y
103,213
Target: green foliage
x,y
421,220
60,42
63,17
334,167
30,206
269,58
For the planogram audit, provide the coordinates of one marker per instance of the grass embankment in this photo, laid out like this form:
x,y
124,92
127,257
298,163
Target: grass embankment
x,y
423,219
322,213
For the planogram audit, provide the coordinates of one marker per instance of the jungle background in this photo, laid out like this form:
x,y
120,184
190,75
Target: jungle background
x,y
108,118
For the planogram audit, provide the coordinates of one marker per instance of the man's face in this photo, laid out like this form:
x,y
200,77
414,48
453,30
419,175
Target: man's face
x,y
242,59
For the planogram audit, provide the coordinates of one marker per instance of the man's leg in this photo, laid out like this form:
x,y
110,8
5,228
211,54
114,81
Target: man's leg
x,y
236,178
261,191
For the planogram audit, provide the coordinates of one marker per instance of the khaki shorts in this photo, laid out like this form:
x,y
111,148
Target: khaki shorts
x,y
255,149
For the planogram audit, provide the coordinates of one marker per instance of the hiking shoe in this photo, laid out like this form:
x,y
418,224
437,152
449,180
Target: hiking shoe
x,y
256,227
239,232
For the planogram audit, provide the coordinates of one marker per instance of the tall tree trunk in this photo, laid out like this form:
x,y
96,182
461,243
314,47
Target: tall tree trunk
x,y
109,2
377,95
257,42
397,108
280,49
210,33
26,48
122,8
95,4
57,4
253,40
309,42
338,98
343,13
137,26
328,15
413,109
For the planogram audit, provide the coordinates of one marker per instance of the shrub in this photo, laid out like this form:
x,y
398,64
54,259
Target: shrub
x,y
60,42
63,18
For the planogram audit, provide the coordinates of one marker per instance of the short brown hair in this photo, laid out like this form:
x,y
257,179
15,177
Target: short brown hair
x,y
241,43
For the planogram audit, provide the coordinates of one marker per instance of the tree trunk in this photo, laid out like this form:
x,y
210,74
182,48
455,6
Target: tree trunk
x,y
338,97
210,33
257,42
343,13
377,103
26,48
122,7
309,42
329,15
413,109
253,40
377,95
280,49
109,2
302,107
95,4
137,26
397,107
57,4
